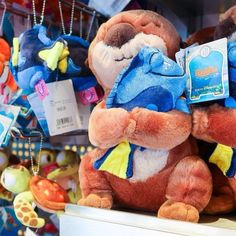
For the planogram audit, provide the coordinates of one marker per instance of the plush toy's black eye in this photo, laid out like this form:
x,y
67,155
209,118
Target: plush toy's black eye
x,y
48,158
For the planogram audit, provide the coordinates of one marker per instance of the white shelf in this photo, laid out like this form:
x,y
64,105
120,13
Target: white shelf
x,y
88,221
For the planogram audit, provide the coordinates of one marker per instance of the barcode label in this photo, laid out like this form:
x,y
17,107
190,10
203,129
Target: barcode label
x,y
61,109
65,120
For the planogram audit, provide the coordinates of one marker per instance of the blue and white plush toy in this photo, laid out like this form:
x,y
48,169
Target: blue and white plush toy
x,y
151,81
77,71
36,56
231,101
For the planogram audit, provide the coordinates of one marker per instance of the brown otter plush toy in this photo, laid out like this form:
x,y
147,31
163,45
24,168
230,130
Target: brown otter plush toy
x,y
214,123
167,176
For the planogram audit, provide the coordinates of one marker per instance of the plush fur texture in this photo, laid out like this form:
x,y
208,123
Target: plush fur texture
x,y
230,13
178,183
204,35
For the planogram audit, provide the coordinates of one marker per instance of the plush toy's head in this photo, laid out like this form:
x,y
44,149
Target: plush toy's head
x,y
15,179
120,39
227,25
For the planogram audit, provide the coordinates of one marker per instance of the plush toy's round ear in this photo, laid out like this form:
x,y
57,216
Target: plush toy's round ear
x,y
204,35
225,28
230,13
147,22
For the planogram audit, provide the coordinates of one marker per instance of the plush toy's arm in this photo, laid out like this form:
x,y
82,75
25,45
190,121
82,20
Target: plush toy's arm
x,y
159,130
215,124
108,127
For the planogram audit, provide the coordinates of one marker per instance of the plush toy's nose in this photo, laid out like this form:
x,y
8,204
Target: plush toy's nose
x,y
119,34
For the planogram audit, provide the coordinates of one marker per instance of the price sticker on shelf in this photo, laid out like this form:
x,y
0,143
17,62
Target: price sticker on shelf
x,y
61,109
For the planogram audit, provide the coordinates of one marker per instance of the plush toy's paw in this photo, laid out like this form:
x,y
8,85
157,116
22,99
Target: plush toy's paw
x,y
94,200
178,211
200,122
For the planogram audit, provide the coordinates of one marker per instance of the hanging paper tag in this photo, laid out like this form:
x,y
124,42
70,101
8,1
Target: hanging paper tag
x,y
180,56
5,124
108,8
8,115
207,71
61,108
41,89
39,112
30,232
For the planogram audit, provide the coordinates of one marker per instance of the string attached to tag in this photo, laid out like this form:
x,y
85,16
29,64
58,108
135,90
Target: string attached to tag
x,y
42,12
3,15
35,172
71,18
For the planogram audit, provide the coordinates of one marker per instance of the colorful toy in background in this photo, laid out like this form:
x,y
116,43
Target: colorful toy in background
x,y
8,85
26,118
84,82
215,127
44,193
227,28
35,57
8,117
58,185
62,167
4,162
9,224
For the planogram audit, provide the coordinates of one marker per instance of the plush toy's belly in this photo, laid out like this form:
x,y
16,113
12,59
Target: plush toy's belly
x,y
146,189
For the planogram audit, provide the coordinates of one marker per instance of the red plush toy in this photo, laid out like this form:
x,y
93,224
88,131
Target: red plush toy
x,y
7,83
168,177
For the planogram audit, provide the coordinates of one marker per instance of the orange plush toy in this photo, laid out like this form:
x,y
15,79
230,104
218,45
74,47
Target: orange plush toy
x,y
167,177
7,83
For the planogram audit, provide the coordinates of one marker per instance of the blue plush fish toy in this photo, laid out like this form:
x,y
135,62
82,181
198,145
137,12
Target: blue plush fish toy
x,y
36,56
80,75
231,100
151,81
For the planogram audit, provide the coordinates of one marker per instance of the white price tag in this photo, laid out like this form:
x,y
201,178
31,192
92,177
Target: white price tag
x,y
29,232
180,56
8,116
61,109
5,124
